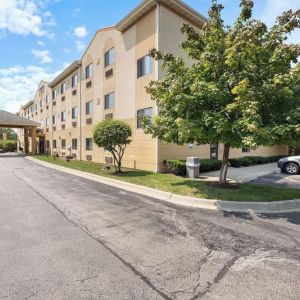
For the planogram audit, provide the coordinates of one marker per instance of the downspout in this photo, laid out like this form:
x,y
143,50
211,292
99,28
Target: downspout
x,y
156,76
80,134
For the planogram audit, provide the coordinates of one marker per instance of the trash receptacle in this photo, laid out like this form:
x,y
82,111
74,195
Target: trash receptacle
x,y
192,167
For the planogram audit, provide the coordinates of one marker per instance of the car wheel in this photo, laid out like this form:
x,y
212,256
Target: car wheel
x,y
291,168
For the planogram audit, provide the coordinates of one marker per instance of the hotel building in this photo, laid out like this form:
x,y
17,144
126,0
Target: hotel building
x,y
108,82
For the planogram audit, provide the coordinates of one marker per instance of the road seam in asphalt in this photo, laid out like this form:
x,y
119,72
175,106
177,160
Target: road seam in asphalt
x,y
212,204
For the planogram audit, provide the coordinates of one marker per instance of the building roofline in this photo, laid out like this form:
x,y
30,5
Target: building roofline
x,y
176,5
107,28
66,72
29,103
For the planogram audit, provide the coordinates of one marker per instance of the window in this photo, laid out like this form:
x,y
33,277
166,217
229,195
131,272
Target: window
x,y
74,112
144,66
46,99
74,81
89,71
47,121
63,116
41,103
53,119
109,57
74,144
63,88
54,94
63,144
214,151
89,107
54,143
89,144
141,113
245,149
109,100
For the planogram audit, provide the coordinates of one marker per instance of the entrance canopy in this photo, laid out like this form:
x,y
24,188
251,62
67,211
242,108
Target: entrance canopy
x,y
10,120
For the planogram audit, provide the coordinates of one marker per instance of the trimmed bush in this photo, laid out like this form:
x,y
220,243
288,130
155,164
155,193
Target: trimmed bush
x,y
178,167
210,165
253,160
8,146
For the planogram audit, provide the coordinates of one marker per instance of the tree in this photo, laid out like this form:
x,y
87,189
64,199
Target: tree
x,y
113,136
241,87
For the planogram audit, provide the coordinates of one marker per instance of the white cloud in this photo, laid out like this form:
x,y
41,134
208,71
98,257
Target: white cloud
x,y
80,32
40,43
24,17
43,55
67,50
79,45
274,8
18,85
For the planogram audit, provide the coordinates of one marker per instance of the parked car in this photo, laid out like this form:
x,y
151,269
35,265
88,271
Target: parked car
x,y
290,164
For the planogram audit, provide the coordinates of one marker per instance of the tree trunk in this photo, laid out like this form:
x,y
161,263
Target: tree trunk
x,y
224,168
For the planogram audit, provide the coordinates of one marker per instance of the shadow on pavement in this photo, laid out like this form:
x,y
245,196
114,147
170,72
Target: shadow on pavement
x,y
292,217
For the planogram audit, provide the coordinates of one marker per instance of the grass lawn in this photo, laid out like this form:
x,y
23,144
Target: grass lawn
x,y
182,186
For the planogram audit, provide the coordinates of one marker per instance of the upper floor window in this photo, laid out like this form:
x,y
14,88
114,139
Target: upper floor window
x,y
63,88
89,107
41,103
144,66
109,100
63,116
74,80
109,57
46,99
53,119
141,113
54,94
74,112
89,71
47,121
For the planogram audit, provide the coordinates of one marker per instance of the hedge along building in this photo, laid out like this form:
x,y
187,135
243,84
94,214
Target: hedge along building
x,y
109,82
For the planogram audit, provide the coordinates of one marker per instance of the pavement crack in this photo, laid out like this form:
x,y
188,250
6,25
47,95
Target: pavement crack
x,y
101,241
220,275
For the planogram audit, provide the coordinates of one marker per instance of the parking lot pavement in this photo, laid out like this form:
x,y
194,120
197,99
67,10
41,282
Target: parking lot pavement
x,y
280,179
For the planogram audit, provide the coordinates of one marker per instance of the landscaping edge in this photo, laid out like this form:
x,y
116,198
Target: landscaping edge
x,y
212,204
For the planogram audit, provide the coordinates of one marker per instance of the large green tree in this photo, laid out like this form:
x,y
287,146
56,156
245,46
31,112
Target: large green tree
x,y
241,86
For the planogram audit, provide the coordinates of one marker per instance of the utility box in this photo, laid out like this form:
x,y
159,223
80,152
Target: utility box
x,y
192,167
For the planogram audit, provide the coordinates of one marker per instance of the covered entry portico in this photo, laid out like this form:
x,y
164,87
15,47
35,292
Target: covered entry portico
x,y
27,138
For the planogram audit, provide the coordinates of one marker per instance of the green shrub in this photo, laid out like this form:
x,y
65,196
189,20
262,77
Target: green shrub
x,y
8,146
178,167
235,162
210,165
253,160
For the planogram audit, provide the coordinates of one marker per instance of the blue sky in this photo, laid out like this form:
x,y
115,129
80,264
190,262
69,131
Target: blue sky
x,y
39,38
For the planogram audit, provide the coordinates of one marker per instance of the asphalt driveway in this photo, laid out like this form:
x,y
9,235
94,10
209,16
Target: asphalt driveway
x,y
280,179
64,237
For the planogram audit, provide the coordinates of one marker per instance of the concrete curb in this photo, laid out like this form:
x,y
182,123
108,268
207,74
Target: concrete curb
x,y
229,206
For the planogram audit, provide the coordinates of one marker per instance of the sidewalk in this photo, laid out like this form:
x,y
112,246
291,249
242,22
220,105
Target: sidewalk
x,y
245,174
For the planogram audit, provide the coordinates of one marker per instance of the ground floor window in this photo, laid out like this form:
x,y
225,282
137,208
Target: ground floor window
x,y
54,143
245,149
89,144
63,144
214,151
74,144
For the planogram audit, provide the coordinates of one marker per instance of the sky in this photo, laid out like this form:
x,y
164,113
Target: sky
x,y
39,38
